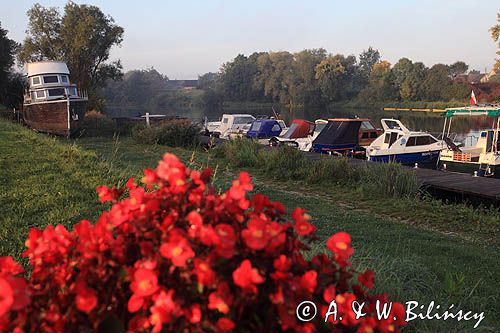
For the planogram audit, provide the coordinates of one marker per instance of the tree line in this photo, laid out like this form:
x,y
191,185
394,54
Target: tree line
x,y
314,77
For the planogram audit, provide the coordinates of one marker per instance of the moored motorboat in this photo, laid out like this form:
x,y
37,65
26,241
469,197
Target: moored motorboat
x,y
300,134
483,158
265,129
399,144
51,103
229,126
345,136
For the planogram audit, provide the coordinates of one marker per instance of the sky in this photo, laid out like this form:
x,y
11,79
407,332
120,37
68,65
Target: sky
x,y
186,38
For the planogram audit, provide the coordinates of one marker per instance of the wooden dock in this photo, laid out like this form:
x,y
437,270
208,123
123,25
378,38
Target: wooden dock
x,y
445,184
466,186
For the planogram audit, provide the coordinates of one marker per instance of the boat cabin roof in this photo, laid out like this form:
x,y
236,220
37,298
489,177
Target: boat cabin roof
x,y
238,115
348,119
46,67
490,110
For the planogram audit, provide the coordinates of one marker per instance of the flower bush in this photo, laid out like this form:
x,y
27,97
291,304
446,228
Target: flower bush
x,y
175,256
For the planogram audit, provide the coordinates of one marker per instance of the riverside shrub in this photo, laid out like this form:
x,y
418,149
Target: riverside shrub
x,y
172,255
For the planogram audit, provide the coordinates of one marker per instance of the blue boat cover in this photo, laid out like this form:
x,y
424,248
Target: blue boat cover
x,y
264,129
338,135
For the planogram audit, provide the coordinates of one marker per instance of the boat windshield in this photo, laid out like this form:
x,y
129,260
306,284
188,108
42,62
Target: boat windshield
x,y
319,127
391,124
256,126
243,120
290,131
367,125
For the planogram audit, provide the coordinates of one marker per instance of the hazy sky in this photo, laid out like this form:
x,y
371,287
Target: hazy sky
x,y
185,38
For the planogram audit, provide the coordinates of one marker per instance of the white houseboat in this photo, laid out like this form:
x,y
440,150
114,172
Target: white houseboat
x,y
51,103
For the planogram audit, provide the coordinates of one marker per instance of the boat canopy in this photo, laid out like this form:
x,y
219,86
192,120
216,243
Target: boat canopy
x,y
487,110
265,128
299,128
339,132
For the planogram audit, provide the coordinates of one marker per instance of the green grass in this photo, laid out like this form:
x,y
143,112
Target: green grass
x,y
417,249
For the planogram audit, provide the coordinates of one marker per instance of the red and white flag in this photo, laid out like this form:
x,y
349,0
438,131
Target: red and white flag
x,y
473,99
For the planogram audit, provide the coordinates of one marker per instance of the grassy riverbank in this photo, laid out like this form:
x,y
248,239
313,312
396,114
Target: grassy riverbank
x,y
421,250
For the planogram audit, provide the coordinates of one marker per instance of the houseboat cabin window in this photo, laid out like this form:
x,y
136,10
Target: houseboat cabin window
x,y
57,92
50,79
72,91
35,80
33,96
64,78
40,94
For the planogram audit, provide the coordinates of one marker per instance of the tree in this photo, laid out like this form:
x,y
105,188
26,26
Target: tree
x,y
407,78
8,49
458,68
275,71
304,88
208,80
330,73
436,82
238,76
138,89
495,34
380,86
82,37
367,59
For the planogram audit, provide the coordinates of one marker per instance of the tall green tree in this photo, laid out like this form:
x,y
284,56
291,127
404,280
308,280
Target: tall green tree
x,y
436,81
7,56
275,75
380,86
304,88
495,34
336,76
367,59
82,37
458,68
238,77
137,89
407,78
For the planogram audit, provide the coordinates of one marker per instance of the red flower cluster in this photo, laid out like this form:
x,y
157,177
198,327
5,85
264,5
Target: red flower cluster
x,y
175,256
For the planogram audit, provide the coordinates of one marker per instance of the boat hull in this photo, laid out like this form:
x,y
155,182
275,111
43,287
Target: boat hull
x,y
61,117
427,157
468,168
340,148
